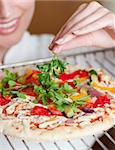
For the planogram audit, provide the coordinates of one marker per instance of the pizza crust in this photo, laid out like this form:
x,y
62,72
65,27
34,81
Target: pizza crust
x,y
59,133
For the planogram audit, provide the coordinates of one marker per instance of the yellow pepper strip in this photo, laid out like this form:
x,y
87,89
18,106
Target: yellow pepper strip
x,y
52,105
76,97
1,85
28,73
35,76
82,79
88,100
110,89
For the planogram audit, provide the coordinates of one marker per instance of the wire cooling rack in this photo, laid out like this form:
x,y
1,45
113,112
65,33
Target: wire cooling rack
x,y
103,141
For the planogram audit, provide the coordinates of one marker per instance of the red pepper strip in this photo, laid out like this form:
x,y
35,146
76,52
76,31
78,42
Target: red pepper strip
x,y
95,104
101,100
89,105
40,102
106,99
71,84
29,91
40,111
32,80
80,73
83,74
36,72
55,112
66,77
4,101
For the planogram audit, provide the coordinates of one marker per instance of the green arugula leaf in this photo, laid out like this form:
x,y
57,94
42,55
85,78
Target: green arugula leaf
x,y
93,72
39,90
20,87
53,85
67,88
53,67
55,73
44,67
44,78
42,93
11,83
75,82
35,101
5,93
19,94
61,107
74,107
79,103
9,76
43,98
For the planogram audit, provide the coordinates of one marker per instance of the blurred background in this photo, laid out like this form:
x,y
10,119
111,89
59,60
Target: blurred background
x,y
50,15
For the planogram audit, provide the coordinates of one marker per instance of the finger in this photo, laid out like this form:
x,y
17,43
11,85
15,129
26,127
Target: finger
x,y
91,8
79,10
92,18
55,38
59,33
81,41
106,21
101,12
65,39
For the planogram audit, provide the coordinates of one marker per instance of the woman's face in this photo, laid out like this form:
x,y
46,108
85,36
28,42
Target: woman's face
x,y
15,17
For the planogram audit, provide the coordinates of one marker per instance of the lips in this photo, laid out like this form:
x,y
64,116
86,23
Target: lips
x,y
8,27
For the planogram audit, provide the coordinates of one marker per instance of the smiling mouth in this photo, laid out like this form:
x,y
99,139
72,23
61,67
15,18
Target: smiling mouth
x,y
8,27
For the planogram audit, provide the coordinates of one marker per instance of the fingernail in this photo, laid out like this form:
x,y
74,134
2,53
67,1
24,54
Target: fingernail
x,y
52,45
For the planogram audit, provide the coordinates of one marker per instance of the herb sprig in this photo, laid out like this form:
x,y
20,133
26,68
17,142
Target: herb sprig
x,y
8,85
49,89
53,67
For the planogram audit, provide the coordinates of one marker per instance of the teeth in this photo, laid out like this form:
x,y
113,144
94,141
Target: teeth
x,y
8,25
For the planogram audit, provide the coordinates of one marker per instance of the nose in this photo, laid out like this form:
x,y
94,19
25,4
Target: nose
x,y
5,9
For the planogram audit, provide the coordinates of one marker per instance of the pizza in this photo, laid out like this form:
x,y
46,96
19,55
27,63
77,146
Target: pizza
x,y
55,101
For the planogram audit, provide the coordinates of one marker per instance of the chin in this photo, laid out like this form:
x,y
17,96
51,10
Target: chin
x,y
10,40
7,41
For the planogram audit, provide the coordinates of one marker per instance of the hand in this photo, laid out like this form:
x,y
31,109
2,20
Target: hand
x,y
91,25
